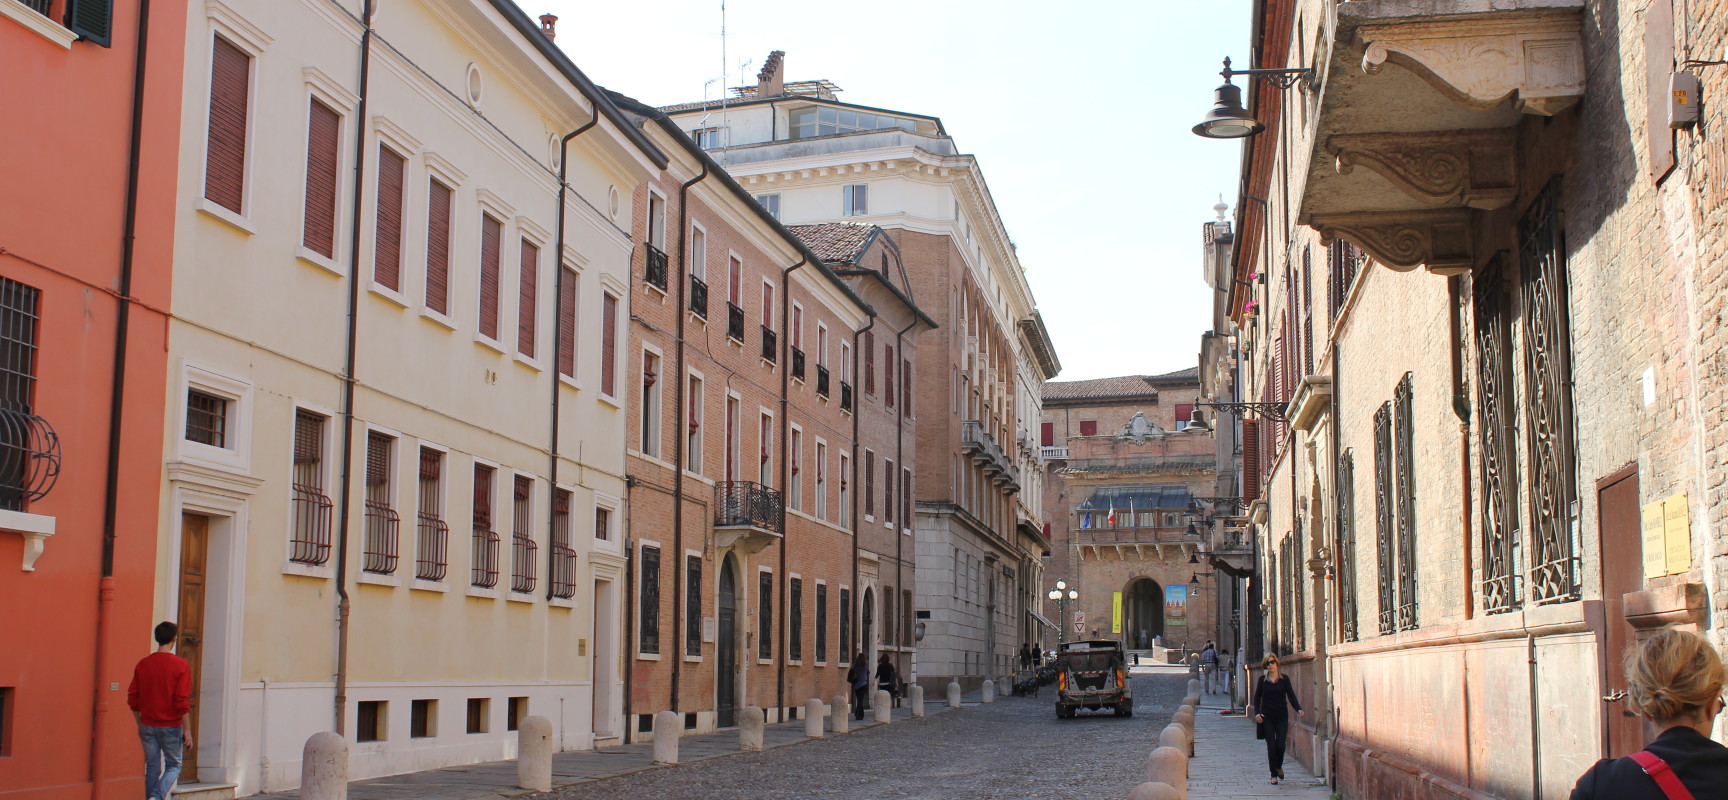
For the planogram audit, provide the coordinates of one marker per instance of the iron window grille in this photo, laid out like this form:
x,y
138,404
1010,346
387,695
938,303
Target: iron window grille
x,y
797,364
770,345
1552,496
795,620
310,543
523,549
206,418
433,551
40,6
692,605
821,380
1496,403
563,555
821,622
655,271
382,522
29,446
483,543
698,297
845,396
734,322
1385,514
765,615
649,628
1347,544
845,622
1403,424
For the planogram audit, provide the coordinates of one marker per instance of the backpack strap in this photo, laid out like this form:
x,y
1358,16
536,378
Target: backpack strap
x,y
1662,774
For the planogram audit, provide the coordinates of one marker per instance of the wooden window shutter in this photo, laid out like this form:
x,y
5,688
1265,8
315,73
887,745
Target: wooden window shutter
x,y
1250,460
869,483
225,142
888,375
491,247
567,324
1307,312
528,300
308,437
609,345
377,458
483,496
438,248
323,144
1047,434
92,20
869,363
905,386
431,464
387,251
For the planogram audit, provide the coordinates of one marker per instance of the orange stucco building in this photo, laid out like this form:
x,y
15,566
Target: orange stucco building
x,y
87,175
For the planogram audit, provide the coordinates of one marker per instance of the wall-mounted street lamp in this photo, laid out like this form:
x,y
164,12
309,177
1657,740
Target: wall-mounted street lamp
x,y
1062,595
1228,119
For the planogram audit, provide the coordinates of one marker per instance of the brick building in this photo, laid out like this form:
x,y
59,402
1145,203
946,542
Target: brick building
x,y
1475,321
1125,470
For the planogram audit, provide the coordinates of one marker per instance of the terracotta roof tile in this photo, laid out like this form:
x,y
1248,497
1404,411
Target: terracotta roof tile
x,y
1123,386
835,242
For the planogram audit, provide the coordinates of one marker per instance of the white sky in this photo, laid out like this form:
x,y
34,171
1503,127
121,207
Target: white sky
x,y
1079,114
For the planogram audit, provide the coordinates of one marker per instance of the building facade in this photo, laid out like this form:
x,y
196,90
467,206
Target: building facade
x,y
85,260
810,158
394,496
1473,319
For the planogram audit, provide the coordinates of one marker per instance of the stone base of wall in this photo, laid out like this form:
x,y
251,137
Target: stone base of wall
x,y
1365,773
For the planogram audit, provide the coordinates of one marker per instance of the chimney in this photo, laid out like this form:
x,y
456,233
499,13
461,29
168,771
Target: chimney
x,y
549,25
771,81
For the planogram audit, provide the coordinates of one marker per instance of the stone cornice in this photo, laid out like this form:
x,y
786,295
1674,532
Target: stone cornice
x,y
1538,59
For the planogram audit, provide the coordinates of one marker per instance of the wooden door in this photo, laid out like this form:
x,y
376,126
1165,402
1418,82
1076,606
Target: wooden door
x,y
1622,572
194,553
726,677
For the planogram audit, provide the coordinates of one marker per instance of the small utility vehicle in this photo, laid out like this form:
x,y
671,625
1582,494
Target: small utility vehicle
x,y
1092,675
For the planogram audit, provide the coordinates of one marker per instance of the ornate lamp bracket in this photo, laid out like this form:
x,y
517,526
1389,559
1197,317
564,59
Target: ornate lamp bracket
x,y
1474,167
1439,239
1260,410
1481,62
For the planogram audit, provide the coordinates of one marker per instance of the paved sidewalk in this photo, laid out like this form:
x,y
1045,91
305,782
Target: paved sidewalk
x,y
497,779
1229,763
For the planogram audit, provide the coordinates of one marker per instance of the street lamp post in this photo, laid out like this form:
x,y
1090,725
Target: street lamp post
x,y
1062,595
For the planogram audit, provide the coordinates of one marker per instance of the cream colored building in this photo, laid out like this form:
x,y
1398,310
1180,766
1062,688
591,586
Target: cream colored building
x,y
395,455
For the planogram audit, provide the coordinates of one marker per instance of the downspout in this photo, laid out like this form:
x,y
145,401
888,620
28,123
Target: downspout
x,y
906,502
857,523
1461,408
785,429
678,441
1338,567
1535,719
346,494
558,351
628,601
116,408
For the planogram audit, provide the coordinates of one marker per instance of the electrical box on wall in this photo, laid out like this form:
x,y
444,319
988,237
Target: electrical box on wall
x,y
1682,99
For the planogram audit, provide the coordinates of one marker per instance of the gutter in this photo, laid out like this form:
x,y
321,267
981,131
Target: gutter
x,y
857,521
785,433
558,352
678,440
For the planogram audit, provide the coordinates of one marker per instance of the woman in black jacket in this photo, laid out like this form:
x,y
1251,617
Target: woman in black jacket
x,y
1675,680
1270,711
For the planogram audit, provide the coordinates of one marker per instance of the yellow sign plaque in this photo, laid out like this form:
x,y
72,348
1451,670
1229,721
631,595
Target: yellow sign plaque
x,y
1116,612
1655,542
1677,530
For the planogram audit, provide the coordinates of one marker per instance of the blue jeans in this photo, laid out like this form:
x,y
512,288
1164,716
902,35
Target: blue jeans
x,y
162,748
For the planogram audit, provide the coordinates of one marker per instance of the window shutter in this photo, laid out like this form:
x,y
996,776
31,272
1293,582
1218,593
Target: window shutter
x,y
887,490
1047,434
225,144
308,437
888,375
1184,412
91,19
906,387
1250,460
528,295
491,247
608,345
438,248
377,459
567,324
323,135
431,464
869,484
483,496
1089,427
387,252
1307,312
869,363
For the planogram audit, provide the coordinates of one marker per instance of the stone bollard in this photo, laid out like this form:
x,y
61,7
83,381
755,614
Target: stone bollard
x,y
534,754
324,767
953,694
751,721
668,726
917,700
1155,791
988,693
813,718
842,713
1191,700
884,706
1194,687
1168,766
1173,735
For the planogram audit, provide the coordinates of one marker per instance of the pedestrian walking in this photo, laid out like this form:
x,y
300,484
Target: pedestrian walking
x,y
160,696
1026,656
1271,716
1209,667
886,678
1226,672
1674,679
858,677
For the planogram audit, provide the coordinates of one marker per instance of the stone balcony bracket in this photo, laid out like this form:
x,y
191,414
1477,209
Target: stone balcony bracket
x,y
1537,59
748,541
1438,239
1475,168
35,528
1312,402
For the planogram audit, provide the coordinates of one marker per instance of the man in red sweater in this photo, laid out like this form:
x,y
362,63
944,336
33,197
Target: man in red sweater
x,y
160,696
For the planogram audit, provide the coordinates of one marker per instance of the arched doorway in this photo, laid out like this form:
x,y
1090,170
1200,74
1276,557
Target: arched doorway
x,y
726,660
866,630
1142,612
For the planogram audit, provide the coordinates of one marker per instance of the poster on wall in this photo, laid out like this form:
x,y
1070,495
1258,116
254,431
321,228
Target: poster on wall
x,y
1116,613
1176,605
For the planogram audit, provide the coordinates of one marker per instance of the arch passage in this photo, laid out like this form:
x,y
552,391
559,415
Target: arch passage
x,y
1142,612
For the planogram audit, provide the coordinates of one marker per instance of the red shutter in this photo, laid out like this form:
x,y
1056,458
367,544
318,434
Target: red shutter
x,y
1184,412
906,387
869,363
888,375
869,484
1047,434
527,300
225,144
323,143
567,324
387,251
608,345
1307,313
438,248
491,247
1089,427
1250,460
887,490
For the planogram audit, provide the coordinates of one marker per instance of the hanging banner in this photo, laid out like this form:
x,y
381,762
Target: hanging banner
x,y
1176,605
1116,613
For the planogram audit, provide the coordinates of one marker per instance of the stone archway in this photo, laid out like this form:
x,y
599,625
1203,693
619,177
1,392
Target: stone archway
x,y
1142,612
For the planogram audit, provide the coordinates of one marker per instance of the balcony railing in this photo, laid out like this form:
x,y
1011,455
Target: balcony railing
x,y
746,504
770,345
821,380
1055,453
699,296
656,271
735,322
797,364
382,526
845,396
434,548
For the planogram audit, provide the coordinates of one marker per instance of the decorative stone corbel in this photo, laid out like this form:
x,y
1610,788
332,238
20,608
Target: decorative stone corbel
x,y
1475,167
1438,239
1481,62
35,528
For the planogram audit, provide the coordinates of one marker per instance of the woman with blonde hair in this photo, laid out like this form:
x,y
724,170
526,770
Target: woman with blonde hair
x,y
1674,679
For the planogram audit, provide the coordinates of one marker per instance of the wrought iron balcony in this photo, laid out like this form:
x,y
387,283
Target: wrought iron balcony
x,y
770,345
845,396
797,364
655,273
821,380
699,296
735,322
748,515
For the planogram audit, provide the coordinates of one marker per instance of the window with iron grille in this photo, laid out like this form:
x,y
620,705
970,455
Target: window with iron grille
x,y
491,262
439,207
692,605
845,614
1551,495
323,176
821,623
1403,425
311,515
1347,544
387,248
523,549
206,417
1299,585
382,522
432,551
18,446
765,615
795,620
563,555
483,549
225,139
1502,537
603,523
1385,514
648,630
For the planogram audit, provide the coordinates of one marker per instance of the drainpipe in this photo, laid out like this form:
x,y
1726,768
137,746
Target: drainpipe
x,y
857,522
678,441
900,461
558,347
116,408
628,601
346,495
785,433
1461,408
1338,567
1535,719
